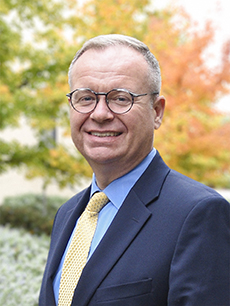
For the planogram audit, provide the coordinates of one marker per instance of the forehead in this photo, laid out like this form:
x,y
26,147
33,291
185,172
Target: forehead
x,y
113,61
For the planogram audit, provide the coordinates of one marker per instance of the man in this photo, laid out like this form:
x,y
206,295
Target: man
x,y
162,239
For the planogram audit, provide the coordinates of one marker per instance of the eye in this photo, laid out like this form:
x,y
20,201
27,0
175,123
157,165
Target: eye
x,y
120,98
83,98
86,99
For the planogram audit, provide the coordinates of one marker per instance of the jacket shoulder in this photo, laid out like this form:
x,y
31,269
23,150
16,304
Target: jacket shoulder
x,y
72,202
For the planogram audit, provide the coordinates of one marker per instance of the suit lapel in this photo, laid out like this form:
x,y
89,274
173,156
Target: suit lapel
x,y
63,235
149,185
128,222
125,226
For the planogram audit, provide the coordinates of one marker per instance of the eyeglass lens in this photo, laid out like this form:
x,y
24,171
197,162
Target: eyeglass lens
x,y
118,101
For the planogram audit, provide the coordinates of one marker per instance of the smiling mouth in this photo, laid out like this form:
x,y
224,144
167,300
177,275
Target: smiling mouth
x,y
106,134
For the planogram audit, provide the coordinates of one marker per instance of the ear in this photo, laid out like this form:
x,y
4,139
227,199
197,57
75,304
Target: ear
x,y
158,107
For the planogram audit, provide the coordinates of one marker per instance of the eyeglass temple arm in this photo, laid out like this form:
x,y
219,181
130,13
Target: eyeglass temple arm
x,y
135,95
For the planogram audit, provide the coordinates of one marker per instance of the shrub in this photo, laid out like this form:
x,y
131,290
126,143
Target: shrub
x,y
22,262
35,213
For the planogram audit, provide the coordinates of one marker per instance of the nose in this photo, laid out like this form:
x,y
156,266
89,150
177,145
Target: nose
x,y
101,112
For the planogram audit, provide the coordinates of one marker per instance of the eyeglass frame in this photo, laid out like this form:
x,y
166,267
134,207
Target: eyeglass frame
x,y
133,95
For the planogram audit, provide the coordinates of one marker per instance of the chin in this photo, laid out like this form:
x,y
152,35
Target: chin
x,y
102,158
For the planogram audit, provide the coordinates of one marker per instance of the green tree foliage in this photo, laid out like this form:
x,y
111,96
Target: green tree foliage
x,y
33,82
39,40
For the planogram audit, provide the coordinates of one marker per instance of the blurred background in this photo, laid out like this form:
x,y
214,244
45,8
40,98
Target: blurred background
x,y
191,40
39,166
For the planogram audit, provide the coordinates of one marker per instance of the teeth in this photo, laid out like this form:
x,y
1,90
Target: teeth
x,y
108,134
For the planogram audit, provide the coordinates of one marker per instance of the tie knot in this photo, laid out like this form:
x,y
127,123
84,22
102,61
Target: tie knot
x,y
97,202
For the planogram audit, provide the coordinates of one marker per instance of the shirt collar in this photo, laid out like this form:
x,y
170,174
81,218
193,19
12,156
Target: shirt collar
x,y
118,190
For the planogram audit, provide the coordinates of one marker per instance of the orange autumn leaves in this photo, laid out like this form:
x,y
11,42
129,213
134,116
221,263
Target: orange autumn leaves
x,y
194,136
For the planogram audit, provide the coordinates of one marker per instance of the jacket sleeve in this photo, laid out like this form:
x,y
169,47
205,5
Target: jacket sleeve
x,y
200,268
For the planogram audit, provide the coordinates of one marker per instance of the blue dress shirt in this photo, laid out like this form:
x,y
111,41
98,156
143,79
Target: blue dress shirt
x,y
116,191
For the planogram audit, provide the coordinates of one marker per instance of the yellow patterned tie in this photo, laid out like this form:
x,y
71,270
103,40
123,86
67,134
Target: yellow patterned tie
x,y
78,251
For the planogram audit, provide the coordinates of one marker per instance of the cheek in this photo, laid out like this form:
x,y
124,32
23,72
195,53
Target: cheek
x,y
71,118
76,121
145,130
75,126
143,125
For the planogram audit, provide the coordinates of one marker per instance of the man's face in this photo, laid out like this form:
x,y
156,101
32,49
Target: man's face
x,y
104,138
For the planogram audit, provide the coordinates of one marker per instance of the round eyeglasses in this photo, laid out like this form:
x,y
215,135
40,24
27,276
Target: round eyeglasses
x,y
119,101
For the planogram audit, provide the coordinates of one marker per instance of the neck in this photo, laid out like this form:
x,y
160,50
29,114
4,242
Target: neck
x,y
108,172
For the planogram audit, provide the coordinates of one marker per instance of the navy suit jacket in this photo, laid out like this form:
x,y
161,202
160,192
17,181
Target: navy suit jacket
x,y
167,245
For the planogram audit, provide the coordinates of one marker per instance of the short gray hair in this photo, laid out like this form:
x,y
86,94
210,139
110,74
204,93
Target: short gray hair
x,y
105,41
